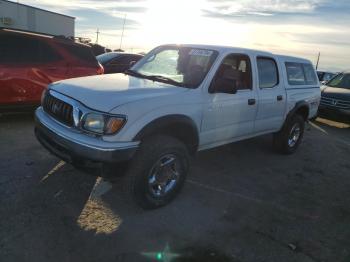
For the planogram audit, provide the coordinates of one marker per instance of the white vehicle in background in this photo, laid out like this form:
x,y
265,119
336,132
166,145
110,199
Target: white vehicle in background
x,y
177,100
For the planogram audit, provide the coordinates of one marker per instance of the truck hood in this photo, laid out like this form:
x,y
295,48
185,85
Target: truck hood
x,y
105,92
336,93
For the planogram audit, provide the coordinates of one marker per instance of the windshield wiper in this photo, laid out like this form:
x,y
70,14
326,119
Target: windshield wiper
x,y
165,79
135,73
160,78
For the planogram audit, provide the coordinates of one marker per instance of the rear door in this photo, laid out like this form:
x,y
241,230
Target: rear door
x,y
47,65
271,95
44,66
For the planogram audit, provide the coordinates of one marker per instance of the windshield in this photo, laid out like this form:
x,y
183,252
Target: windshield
x,y
182,66
340,81
106,57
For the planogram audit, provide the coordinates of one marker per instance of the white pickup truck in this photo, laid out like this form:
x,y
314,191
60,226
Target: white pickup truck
x,y
177,100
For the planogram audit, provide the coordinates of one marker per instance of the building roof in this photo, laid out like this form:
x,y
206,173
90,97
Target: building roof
x,y
36,8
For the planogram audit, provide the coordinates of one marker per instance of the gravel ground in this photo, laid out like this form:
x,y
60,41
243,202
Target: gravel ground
x,y
242,202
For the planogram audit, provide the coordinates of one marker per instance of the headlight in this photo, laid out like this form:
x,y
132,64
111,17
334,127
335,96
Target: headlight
x,y
103,124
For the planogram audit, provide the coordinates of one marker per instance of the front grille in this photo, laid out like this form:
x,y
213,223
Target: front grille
x,y
334,102
58,109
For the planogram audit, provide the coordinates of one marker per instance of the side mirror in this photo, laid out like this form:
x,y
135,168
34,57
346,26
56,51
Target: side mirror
x,y
223,85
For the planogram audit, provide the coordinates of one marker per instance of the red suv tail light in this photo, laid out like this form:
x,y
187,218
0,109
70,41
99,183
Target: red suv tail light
x,y
100,69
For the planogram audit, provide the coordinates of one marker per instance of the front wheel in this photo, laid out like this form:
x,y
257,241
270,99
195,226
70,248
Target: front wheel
x,y
289,137
158,171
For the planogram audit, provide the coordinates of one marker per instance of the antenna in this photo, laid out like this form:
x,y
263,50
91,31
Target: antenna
x,y
318,59
121,37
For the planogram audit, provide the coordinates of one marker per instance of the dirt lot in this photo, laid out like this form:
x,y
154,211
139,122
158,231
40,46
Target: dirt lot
x,y
242,202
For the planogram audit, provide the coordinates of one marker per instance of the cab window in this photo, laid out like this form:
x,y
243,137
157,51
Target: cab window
x,y
300,74
310,75
295,74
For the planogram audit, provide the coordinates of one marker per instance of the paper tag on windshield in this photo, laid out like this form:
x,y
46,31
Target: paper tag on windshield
x,y
200,52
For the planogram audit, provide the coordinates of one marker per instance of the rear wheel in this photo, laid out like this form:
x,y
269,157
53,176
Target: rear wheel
x,y
289,137
158,171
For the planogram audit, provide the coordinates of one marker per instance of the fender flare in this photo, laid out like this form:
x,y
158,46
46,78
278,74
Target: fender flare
x,y
161,124
297,106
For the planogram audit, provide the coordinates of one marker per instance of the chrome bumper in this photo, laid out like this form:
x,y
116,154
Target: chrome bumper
x,y
71,145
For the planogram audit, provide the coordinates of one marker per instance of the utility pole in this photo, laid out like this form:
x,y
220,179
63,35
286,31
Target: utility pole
x,y
97,33
121,37
318,59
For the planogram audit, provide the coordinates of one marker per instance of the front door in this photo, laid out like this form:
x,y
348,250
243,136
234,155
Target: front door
x,y
231,102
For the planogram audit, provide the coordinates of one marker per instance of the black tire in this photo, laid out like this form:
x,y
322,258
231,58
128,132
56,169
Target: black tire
x,y
313,118
136,180
282,139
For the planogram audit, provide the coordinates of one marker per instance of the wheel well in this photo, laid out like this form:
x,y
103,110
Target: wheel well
x,y
303,111
184,133
179,127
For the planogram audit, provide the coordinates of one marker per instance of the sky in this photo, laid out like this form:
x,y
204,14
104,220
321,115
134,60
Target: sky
x,y
291,27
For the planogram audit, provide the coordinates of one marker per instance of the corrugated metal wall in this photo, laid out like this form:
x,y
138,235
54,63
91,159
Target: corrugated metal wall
x,y
37,20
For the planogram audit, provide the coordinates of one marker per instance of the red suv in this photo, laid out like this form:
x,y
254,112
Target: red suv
x,y
30,61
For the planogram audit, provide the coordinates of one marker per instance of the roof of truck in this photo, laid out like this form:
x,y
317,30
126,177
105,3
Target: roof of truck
x,y
293,59
222,48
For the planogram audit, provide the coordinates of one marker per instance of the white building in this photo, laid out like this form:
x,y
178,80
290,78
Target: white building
x,y
19,16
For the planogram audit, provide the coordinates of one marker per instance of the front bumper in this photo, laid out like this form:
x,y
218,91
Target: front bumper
x,y
73,146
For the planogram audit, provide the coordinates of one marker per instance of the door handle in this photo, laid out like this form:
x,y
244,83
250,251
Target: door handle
x,y
251,101
279,98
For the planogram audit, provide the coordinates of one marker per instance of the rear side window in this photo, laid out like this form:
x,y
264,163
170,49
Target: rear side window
x,y
81,52
301,74
8,47
48,54
310,75
295,74
24,49
124,60
268,72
